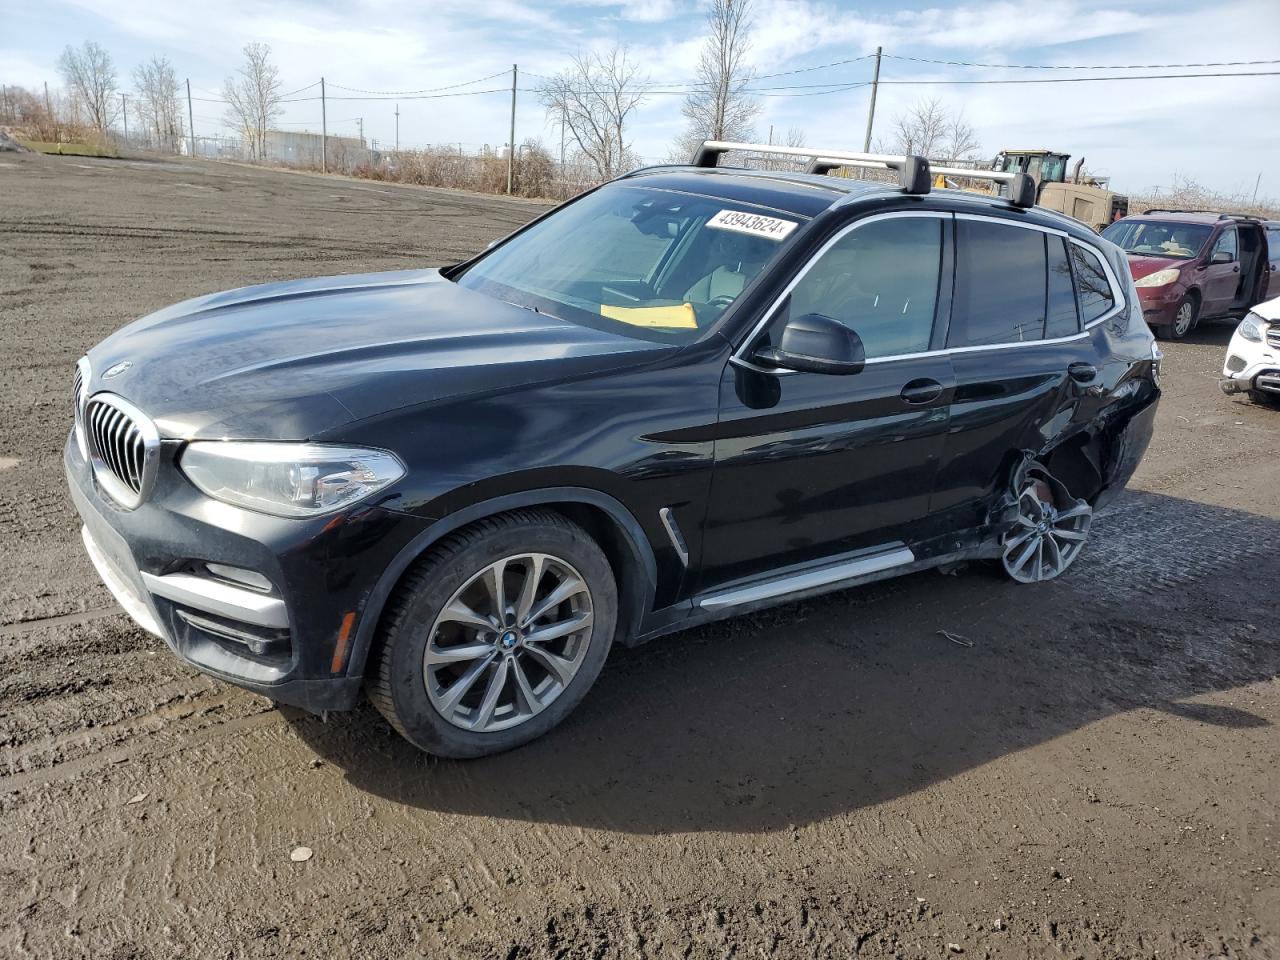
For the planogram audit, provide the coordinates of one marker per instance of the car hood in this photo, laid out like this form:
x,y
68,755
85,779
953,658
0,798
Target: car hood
x,y
289,360
1140,265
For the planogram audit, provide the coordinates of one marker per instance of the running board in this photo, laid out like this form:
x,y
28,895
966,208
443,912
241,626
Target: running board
x,y
830,576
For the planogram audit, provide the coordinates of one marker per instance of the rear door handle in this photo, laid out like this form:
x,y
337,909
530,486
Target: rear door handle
x,y
1082,372
922,390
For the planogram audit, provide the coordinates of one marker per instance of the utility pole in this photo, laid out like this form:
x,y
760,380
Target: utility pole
x,y
124,112
871,111
511,151
48,108
397,128
191,121
1256,184
324,132
360,121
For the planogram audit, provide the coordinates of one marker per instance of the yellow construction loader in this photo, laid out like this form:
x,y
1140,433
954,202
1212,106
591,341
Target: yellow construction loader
x,y
1087,199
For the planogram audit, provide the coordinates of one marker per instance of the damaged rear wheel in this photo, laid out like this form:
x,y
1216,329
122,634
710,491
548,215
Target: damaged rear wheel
x,y
1049,532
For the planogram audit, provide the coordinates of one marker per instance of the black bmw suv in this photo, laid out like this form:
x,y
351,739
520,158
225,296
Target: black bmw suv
x,y
692,392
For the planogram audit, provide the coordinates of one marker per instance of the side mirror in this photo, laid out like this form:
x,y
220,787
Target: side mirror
x,y
1222,256
814,343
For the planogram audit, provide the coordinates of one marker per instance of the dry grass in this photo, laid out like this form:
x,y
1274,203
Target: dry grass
x,y
1187,194
534,174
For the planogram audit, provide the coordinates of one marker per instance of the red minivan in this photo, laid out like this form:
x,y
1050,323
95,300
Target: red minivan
x,y
1191,265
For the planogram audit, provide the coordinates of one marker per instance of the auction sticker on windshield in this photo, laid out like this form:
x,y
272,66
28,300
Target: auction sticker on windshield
x,y
771,227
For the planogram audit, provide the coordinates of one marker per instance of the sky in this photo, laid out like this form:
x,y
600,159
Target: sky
x,y
1222,132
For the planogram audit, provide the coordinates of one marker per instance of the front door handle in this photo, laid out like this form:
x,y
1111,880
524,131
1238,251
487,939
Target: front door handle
x,y
1082,372
922,390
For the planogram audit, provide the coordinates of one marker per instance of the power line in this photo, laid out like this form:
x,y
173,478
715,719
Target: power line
x,y
1144,76
433,96
406,93
1057,66
300,89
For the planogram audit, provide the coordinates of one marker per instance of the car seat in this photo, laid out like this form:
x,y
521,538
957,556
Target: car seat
x,y
738,257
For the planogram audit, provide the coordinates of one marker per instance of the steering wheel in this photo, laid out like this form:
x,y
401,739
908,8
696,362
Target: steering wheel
x,y
721,301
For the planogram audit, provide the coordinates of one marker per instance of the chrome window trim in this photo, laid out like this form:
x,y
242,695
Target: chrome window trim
x,y
739,359
1117,288
103,473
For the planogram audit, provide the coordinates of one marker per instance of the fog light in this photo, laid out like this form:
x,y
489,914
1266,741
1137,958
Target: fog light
x,y
1235,364
246,578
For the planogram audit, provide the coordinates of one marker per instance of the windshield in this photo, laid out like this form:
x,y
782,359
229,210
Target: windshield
x,y
1158,238
642,262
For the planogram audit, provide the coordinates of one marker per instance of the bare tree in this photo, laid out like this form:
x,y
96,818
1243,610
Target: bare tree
x,y
720,107
158,105
591,100
931,129
90,77
794,137
253,97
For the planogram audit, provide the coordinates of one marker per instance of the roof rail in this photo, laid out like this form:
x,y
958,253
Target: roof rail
x,y
914,172
1221,216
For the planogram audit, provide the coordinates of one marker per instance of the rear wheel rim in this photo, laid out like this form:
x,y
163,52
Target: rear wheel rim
x,y
1182,320
1044,540
508,643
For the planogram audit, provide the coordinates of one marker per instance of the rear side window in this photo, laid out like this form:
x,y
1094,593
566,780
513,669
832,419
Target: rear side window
x,y
1093,289
1000,285
1062,318
1273,243
879,280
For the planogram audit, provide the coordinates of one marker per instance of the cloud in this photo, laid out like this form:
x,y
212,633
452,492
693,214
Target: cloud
x,y
1140,131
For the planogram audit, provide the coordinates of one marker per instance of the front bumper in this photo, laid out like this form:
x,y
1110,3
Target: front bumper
x,y
293,642
1160,304
1251,366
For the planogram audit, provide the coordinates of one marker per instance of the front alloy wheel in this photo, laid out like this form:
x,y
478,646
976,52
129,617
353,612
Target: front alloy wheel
x,y
508,642
1048,533
1183,319
495,636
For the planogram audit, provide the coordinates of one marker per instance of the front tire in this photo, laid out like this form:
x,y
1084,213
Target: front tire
x,y
495,636
1184,320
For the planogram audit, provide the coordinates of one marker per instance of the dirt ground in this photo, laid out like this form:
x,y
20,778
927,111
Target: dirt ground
x,y
1094,776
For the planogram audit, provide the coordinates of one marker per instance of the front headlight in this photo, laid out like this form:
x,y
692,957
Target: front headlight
x,y
1158,279
1251,327
288,479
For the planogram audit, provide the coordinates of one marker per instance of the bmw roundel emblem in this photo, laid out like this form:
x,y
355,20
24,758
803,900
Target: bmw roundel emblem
x,y
116,369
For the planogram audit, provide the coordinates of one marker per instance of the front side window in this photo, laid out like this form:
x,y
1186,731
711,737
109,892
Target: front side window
x,y
1000,291
1226,244
881,281
1093,289
639,261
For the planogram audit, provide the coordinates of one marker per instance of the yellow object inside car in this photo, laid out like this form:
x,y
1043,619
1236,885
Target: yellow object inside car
x,y
677,317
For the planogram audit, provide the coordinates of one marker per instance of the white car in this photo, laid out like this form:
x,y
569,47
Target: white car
x,y
1253,356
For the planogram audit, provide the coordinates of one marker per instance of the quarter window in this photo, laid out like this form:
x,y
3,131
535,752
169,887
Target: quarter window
x,y
879,280
1000,290
1093,289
